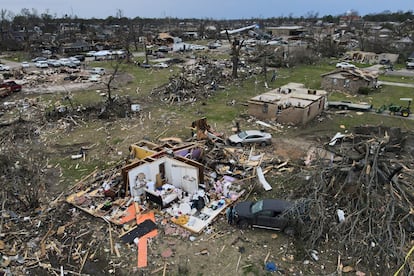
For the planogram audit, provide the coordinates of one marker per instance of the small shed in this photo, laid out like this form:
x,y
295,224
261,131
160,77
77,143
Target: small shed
x,y
348,80
290,104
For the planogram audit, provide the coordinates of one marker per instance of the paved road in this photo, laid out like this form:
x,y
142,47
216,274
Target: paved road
x,y
401,84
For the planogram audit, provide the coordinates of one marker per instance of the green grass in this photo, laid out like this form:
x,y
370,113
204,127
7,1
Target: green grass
x,y
396,79
74,170
385,96
17,56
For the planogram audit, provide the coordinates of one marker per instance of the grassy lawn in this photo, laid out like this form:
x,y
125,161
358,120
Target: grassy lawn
x,y
385,96
396,79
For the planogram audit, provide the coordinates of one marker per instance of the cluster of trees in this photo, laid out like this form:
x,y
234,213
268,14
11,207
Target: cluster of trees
x,y
22,31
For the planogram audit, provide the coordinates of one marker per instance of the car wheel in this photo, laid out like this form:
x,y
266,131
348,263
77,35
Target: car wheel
x,y
243,224
239,145
263,144
289,231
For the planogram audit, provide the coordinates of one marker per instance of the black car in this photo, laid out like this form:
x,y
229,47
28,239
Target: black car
x,y
266,213
145,65
80,57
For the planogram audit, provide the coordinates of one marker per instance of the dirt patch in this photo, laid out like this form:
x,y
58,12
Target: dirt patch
x,y
291,149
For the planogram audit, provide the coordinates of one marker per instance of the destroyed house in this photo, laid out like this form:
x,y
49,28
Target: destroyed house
x,y
285,30
370,57
165,176
162,175
290,104
348,80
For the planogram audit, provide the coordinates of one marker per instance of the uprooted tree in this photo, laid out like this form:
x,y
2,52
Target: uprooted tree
x,y
362,197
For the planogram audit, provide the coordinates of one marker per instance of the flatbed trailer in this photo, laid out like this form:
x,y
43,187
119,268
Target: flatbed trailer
x,y
350,105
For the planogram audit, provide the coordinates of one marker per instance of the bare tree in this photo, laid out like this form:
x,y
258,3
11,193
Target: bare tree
x,y
3,24
108,84
264,56
236,46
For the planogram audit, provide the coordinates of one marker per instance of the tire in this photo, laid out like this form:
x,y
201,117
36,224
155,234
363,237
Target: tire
x,y
239,145
289,231
405,113
243,224
345,107
263,144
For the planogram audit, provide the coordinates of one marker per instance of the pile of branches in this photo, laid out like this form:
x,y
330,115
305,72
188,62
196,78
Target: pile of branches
x,y
117,107
195,82
362,197
22,164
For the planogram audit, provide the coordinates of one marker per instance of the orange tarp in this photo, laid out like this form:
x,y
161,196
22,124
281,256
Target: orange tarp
x,y
130,215
142,243
134,212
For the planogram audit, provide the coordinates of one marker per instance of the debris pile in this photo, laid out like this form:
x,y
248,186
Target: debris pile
x,y
361,196
197,81
55,76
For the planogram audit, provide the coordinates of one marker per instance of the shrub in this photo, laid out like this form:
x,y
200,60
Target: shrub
x,y
365,90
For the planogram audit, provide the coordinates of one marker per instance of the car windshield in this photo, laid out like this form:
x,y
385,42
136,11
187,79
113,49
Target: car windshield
x,y
257,207
242,134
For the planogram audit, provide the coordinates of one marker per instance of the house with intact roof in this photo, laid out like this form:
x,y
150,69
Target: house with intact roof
x,y
290,104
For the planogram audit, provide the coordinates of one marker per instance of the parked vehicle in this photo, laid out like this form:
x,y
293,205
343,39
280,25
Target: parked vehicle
x,y
266,213
41,64
80,57
350,105
98,71
94,78
345,65
53,63
64,61
75,60
90,53
164,49
384,61
409,65
4,67
160,65
214,45
250,137
12,86
395,109
72,65
145,65
197,47
36,59
25,64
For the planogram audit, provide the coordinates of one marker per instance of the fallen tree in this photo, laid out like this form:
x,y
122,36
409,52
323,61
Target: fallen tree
x,y
362,198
